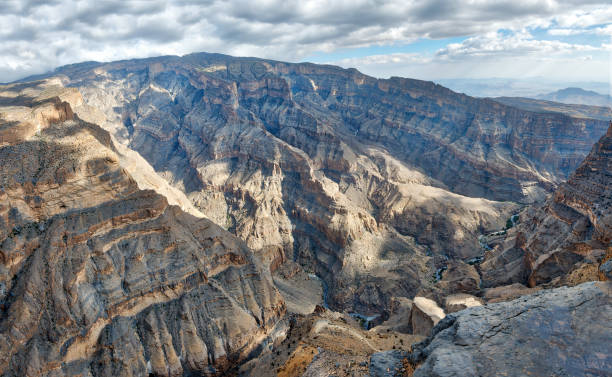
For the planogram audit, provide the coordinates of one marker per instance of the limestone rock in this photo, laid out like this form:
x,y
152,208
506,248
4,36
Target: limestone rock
x,y
507,292
397,318
364,182
460,301
327,343
563,331
302,292
459,277
425,314
606,269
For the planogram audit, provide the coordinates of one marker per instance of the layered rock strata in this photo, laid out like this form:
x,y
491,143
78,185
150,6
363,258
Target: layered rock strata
x,y
565,240
368,183
333,169
99,277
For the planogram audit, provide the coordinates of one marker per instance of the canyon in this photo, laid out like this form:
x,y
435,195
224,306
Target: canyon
x,y
371,184
213,215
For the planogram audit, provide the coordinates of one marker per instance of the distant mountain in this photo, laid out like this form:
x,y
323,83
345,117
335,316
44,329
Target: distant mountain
x,y
531,87
578,96
542,106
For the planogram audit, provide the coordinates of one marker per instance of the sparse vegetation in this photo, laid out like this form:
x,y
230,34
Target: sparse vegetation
x,y
511,221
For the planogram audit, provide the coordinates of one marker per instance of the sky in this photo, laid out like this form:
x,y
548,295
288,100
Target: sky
x,y
436,39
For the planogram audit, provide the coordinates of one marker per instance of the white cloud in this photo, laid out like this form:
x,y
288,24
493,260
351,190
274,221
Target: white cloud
x,y
38,36
396,58
564,69
602,31
516,44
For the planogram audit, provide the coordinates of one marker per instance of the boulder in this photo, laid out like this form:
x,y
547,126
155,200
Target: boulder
x,y
425,314
460,301
606,269
558,332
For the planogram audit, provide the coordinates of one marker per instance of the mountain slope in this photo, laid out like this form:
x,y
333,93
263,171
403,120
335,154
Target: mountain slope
x,y
99,277
566,239
418,122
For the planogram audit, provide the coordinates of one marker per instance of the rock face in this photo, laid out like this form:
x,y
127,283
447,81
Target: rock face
x,y
416,121
99,277
558,332
565,240
327,343
459,277
357,179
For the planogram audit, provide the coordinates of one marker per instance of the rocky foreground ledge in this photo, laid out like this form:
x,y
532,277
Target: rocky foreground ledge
x,y
558,332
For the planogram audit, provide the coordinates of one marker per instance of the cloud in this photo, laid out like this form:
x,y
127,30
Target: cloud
x,y
384,59
38,36
602,31
535,67
516,44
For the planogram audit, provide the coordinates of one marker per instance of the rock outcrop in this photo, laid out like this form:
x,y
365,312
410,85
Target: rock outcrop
x,y
386,363
460,301
99,277
328,343
558,332
459,277
424,315
565,240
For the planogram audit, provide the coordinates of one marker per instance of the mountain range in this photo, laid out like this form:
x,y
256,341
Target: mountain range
x,y
201,214
578,96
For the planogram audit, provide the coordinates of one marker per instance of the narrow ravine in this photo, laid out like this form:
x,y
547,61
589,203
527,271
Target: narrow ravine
x,y
366,319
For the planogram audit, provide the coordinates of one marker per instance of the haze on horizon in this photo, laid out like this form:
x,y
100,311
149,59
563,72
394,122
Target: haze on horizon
x,y
551,40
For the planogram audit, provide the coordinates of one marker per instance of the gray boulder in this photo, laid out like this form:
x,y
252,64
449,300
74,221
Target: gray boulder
x,y
606,269
425,314
558,332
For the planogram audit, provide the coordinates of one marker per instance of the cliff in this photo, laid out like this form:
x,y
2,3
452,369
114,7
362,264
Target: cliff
x,y
565,240
99,277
